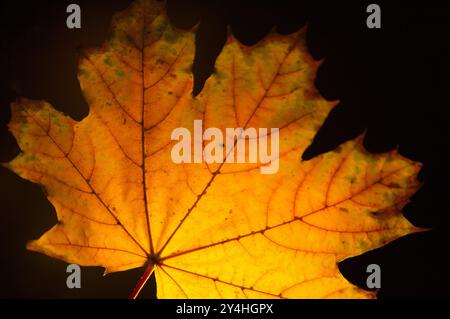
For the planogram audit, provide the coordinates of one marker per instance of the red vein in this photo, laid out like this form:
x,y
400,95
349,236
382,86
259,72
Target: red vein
x,y
96,247
144,182
261,231
113,95
171,65
89,185
176,283
221,281
217,172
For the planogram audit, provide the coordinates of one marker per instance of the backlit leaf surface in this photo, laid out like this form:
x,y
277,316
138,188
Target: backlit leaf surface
x,y
207,231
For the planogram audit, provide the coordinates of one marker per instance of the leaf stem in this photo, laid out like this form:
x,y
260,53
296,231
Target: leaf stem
x,y
142,281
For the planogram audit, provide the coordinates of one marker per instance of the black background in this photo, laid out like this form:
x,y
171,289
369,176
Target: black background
x,y
392,83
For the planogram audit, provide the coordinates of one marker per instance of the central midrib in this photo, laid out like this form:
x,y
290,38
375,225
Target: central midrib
x,y
144,183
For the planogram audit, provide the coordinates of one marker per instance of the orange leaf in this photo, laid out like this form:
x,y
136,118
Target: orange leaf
x,y
220,230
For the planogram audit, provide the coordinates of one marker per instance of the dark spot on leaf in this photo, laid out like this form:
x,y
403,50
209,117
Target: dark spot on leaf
x,y
376,213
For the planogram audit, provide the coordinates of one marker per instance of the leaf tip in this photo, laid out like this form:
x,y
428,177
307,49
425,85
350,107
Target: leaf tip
x,y
416,229
32,245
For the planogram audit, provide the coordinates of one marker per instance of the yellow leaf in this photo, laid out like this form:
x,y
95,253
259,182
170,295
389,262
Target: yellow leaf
x,y
220,230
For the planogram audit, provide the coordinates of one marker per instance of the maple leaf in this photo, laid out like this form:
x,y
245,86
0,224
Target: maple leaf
x,y
206,231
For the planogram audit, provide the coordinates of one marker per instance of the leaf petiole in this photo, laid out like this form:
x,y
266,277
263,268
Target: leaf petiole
x,y
143,280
